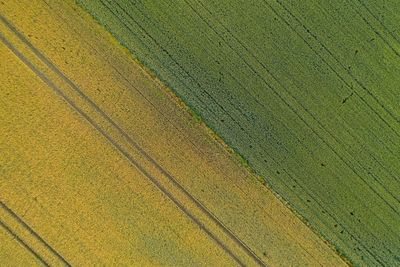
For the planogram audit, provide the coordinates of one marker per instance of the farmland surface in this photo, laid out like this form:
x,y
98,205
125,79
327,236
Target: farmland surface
x,y
101,164
306,91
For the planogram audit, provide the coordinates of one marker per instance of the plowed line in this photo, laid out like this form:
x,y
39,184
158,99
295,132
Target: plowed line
x,y
22,242
30,230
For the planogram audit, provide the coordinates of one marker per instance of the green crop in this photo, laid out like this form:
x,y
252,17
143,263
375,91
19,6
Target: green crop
x,y
306,91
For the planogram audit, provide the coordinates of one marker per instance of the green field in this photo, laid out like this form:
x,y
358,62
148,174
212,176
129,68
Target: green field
x,y
307,93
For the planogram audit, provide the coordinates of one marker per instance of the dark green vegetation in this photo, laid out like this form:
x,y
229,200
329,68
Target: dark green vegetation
x,y
307,91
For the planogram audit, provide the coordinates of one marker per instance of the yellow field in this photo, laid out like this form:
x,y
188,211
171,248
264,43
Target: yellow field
x,y
104,165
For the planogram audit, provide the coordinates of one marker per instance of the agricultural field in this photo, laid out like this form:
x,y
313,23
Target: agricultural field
x,y
101,163
307,92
